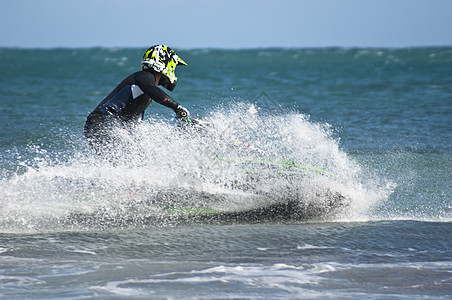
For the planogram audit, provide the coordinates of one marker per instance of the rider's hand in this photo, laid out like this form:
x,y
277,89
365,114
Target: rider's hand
x,y
182,113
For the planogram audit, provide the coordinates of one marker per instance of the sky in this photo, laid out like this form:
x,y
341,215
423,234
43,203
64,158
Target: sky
x,y
225,24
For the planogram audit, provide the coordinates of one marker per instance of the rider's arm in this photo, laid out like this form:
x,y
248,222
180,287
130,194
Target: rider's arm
x,y
147,85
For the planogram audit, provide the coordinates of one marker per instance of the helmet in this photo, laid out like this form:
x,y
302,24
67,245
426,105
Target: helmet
x,y
162,59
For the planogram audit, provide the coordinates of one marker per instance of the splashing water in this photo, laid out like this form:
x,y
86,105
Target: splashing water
x,y
243,160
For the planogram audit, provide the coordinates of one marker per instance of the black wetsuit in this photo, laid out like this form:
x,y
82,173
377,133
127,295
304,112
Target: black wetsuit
x,y
124,106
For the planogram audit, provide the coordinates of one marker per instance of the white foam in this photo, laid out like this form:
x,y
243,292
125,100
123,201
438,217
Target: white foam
x,y
159,157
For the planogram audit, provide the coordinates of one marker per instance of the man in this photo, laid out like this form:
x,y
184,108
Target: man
x,y
126,104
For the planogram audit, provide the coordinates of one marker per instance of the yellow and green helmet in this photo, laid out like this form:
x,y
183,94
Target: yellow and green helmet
x,y
162,59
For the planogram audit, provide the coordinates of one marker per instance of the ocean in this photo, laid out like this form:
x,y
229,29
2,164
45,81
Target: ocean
x,y
357,140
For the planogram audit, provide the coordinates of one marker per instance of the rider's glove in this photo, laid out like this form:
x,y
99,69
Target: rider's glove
x,y
182,113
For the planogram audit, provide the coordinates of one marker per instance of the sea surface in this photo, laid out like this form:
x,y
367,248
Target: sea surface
x,y
360,138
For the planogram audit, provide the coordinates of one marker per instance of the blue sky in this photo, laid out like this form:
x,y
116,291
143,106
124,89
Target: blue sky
x,y
226,23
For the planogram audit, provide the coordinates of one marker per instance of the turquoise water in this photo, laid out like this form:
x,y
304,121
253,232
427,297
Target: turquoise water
x,y
377,121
